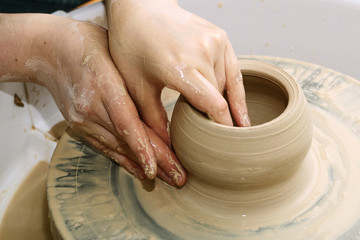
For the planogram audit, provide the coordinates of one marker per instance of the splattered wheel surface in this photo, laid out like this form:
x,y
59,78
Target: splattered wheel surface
x,y
90,197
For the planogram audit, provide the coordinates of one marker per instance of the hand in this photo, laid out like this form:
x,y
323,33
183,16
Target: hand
x,y
72,61
157,43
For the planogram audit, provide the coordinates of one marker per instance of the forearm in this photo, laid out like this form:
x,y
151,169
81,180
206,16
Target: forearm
x,y
23,38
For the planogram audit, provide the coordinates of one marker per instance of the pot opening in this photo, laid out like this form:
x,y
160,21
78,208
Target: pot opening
x,y
265,98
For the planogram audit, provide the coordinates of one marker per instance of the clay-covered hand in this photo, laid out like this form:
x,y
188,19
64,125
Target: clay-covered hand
x,y
157,43
73,62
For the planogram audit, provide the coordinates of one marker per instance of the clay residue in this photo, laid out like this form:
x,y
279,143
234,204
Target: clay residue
x,y
27,215
18,101
58,130
82,99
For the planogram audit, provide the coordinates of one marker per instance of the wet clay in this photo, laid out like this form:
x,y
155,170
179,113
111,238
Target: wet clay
x,y
264,154
58,129
18,101
265,99
91,197
27,214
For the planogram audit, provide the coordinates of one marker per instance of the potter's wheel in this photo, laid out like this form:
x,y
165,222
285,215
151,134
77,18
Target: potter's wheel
x,y
92,198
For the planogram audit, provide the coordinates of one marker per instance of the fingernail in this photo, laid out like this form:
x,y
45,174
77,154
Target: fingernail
x,y
245,120
150,171
178,180
176,177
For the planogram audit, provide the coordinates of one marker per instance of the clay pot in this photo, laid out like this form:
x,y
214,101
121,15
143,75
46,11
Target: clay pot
x,y
268,152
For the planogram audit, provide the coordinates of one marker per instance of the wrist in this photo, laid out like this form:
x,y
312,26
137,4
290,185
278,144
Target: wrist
x,y
24,38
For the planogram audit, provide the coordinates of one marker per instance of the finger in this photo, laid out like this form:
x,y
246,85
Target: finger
x,y
204,96
212,65
128,125
129,165
153,113
219,72
235,88
122,150
123,114
167,160
162,175
121,154
114,148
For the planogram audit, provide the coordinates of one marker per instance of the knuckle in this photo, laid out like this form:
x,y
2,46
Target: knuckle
x,y
219,36
221,106
209,42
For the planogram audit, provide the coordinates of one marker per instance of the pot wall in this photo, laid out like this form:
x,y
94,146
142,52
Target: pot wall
x,y
237,157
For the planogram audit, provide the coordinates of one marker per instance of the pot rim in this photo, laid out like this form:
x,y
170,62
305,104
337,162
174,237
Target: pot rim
x,y
269,72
